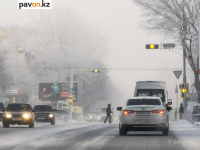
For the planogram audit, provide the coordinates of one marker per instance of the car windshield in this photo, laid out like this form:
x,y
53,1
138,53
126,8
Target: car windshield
x,y
18,107
1,106
60,112
95,113
43,108
143,102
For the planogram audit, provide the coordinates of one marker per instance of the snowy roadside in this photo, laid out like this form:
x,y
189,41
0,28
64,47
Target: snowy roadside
x,y
38,135
188,134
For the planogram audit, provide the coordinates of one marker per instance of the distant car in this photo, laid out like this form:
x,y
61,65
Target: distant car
x,y
196,112
144,113
93,116
18,113
61,115
44,113
2,109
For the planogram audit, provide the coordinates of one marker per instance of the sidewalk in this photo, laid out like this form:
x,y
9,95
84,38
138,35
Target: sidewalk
x,y
188,135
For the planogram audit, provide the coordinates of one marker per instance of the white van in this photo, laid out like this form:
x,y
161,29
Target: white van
x,y
152,88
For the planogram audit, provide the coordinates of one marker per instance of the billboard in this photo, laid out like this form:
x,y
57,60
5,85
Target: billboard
x,y
56,91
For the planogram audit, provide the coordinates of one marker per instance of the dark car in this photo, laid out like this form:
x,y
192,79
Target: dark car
x,y
44,113
61,115
2,109
18,113
196,112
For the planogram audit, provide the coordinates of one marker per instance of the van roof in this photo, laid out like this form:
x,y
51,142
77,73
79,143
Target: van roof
x,y
145,97
150,85
150,81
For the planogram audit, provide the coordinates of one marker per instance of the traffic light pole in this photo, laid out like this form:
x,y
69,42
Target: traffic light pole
x,y
71,94
176,110
184,77
184,54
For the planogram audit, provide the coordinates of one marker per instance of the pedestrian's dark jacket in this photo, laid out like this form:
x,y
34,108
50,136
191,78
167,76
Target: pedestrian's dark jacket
x,y
108,111
181,109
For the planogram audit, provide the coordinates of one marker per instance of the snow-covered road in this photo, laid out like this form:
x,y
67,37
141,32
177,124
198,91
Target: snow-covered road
x,y
96,136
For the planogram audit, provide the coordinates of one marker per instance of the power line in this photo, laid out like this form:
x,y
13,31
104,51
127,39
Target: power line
x,y
66,68
144,58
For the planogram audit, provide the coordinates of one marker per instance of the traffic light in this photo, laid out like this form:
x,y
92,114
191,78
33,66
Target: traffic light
x,y
152,46
96,71
184,90
70,101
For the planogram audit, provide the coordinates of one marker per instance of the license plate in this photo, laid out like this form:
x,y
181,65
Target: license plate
x,y
41,118
143,113
16,119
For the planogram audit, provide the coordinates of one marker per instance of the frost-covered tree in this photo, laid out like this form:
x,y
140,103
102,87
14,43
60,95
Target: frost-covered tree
x,y
168,17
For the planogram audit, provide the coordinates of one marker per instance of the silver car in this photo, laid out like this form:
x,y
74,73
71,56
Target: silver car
x,y
144,113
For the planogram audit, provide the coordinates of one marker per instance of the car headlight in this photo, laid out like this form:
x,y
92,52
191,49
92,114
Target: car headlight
x,y
90,116
50,115
26,116
8,116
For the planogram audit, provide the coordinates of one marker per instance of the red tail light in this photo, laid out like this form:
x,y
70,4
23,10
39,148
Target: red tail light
x,y
131,111
155,111
126,112
159,111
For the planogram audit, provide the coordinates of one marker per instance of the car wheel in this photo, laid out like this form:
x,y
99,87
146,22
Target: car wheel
x,y
166,131
5,125
31,125
53,123
122,131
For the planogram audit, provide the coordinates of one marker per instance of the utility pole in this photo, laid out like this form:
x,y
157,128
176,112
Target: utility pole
x,y
176,110
184,52
198,62
71,93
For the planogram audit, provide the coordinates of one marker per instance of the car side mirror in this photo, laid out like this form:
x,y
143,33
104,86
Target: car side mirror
x,y
169,108
119,108
54,109
3,110
169,102
33,110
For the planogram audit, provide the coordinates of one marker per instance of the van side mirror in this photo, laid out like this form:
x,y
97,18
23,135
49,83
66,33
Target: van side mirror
x,y
33,110
54,109
3,110
119,108
169,102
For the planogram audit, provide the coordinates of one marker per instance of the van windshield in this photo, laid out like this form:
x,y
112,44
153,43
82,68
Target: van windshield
x,y
152,92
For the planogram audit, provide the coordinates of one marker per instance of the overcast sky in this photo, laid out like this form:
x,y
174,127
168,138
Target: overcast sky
x,y
118,21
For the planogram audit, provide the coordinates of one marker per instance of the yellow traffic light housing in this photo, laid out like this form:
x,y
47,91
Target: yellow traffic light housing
x,y
184,90
152,46
96,71
70,101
